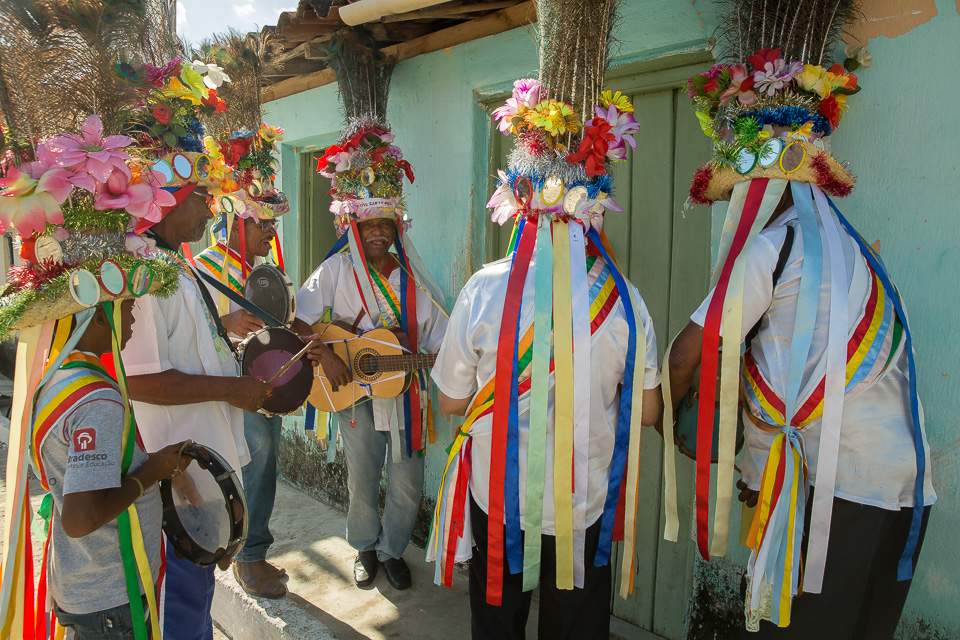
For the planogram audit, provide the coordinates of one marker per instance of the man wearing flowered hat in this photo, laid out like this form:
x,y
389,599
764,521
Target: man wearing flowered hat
x,y
253,211
363,287
827,380
184,378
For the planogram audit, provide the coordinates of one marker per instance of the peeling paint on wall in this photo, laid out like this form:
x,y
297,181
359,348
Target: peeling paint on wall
x,y
891,18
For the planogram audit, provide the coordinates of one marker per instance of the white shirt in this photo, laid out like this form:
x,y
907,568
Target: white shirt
x,y
333,286
877,460
468,359
178,333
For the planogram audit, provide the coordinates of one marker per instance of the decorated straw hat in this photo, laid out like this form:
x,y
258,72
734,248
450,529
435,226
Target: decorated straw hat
x,y
74,209
365,167
251,155
771,118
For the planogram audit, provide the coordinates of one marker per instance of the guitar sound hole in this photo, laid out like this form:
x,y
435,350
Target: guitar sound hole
x,y
367,364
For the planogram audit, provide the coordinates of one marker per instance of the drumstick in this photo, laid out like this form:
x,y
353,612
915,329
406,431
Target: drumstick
x,y
289,363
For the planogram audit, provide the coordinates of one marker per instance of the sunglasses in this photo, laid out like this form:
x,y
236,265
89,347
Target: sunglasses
x,y
268,225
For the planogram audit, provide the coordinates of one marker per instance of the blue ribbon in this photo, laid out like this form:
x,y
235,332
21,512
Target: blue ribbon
x,y
338,246
622,441
404,320
905,566
310,418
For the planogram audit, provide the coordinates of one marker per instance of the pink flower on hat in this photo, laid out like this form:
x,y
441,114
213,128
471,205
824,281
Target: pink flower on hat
x,y
30,204
91,152
140,199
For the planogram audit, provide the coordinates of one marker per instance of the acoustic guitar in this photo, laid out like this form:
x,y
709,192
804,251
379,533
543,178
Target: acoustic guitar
x,y
378,364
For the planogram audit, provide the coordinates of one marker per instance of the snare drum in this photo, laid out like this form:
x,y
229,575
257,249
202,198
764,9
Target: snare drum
x,y
685,427
204,509
271,290
263,353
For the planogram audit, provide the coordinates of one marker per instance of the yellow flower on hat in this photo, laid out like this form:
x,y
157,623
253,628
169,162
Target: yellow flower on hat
x,y
554,117
618,99
270,134
815,79
219,169
193,80
176,89
804,131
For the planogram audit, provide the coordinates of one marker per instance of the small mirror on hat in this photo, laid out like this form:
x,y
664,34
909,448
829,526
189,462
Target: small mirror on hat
x,y
140,280
182,166
552,190
202,167
522,190
163,168
745,162
770,152
112,278
367,176
84,288
255,188
792,158
47,249
573,198
226,203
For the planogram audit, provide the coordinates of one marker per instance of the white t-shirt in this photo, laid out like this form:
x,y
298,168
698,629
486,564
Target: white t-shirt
x,y
877,460
178,333
333,286
468,359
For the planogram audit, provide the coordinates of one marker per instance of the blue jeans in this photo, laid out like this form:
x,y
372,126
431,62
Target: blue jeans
x,y
260,482
187,599
366,450
110,624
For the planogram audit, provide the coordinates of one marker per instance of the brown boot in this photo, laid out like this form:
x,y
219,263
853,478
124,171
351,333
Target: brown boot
x,y
258,579
275,571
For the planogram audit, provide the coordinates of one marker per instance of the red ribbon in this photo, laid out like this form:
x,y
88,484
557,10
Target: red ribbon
x,y
501,411
709,362
593,147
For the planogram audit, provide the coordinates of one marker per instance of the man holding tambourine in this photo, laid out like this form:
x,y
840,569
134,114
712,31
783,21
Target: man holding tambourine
x,y
248,219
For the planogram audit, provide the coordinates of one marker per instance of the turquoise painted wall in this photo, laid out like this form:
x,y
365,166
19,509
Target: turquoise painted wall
x,y
898,138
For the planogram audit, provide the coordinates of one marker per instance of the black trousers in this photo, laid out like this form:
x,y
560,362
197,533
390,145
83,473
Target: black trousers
x,y
861,597
578,614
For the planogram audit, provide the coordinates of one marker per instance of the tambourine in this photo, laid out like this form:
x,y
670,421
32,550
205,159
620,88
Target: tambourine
x,y
264,353
204,509
271,290
685,427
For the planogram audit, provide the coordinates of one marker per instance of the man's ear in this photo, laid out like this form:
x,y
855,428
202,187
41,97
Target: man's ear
x,y
100,316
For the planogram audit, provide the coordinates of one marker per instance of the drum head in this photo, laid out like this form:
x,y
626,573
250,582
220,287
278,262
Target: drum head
x,y
264,353
270,289
204,509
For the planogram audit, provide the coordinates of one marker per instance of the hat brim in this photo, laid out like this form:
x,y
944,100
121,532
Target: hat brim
x,y
715,184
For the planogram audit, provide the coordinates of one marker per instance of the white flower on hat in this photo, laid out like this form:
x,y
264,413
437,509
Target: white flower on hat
x,y
213,76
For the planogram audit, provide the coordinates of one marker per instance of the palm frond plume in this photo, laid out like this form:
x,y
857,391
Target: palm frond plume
x,y
807,30
363,74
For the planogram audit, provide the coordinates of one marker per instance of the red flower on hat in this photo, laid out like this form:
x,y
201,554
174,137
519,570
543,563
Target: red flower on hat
x,y
213,101
762,57
594,146
830,109
162,113
234,149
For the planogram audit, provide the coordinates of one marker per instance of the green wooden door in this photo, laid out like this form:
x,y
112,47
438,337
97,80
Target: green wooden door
x,y
316,233
665,250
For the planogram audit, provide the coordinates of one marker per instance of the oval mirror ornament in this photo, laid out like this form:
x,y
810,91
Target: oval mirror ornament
x,y
552,190
84,288
255,188
47,249
226,203
792,157
140,280
112,278
523,191
573,198
770,152
745,162
202,167
182,166
367,176
163,168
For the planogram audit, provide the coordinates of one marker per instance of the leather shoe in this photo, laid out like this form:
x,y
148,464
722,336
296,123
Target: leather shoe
x,y
365,568
398,573
275,571
257,578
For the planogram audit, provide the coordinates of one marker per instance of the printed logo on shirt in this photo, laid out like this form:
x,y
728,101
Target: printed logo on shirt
x,y
84,440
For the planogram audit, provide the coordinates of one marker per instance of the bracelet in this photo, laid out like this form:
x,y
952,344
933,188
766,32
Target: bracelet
x,y
137,480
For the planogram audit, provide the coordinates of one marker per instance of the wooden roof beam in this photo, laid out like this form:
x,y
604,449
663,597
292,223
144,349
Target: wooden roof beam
x,y
452,11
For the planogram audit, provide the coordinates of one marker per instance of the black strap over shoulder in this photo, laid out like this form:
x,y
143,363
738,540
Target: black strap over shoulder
x,y
777,272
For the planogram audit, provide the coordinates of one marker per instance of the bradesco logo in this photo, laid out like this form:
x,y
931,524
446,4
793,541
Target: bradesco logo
x,y
84,440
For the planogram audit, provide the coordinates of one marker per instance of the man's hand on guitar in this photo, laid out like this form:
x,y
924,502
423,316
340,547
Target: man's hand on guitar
x,y
241,323
334,370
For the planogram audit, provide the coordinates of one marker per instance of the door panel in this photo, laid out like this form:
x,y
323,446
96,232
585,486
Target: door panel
x,y
316,231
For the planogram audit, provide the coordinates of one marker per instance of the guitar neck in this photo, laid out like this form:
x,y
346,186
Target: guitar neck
x,y
406,362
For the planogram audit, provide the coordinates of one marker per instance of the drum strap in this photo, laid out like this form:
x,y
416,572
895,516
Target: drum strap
x,y
777,272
